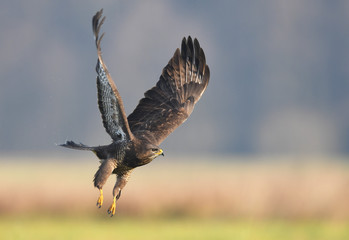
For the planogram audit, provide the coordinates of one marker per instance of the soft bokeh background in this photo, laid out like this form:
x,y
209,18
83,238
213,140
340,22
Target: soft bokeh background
x,y
279,79
264,152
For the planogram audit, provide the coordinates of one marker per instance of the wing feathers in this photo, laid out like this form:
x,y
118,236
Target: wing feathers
x,y
190,59
109,100
171,101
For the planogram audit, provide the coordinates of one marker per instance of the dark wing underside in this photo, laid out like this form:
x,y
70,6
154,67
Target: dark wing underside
x,y
109,100
172,100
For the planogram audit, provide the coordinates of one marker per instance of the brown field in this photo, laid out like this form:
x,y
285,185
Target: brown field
x,y
230,187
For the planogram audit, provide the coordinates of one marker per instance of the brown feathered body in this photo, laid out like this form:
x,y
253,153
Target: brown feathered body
x,y
167,105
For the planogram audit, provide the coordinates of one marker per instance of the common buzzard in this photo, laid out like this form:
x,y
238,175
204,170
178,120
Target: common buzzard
x,y
136,138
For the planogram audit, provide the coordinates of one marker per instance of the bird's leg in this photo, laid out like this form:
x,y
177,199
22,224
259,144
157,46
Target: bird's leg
x,y
119,185
101,176
100,199
119,195
111,210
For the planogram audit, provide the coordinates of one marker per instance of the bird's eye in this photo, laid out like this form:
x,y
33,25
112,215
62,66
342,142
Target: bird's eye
x,y
154,150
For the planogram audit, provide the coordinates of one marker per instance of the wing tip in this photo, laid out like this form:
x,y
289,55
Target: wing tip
x,y
97,22
191,51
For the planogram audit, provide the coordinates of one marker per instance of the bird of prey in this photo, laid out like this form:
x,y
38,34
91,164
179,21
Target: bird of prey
x,y
136,138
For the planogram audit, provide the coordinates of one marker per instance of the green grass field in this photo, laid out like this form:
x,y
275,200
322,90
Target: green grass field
x,y
45,227
255,199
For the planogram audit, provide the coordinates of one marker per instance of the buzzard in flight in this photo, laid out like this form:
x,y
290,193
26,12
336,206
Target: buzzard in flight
x,y
136,138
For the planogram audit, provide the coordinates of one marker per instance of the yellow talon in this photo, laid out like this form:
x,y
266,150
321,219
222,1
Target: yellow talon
x,y
100,199
111,210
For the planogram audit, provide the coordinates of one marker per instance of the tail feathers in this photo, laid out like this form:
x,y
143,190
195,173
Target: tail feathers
x,y
78,146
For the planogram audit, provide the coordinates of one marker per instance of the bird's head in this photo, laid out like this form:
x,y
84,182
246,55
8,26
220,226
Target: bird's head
x,y
156,151
149,151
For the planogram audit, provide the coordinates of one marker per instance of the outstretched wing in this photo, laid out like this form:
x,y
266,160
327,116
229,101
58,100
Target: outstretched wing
x,y
109,100
172,100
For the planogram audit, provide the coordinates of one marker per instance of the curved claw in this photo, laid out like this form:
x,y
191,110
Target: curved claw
x,y
111,210
100,199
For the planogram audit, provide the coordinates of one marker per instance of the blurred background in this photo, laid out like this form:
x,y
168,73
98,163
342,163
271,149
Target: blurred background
x,y
268,140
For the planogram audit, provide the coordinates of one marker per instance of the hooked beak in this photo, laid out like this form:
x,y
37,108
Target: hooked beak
x,y
161,152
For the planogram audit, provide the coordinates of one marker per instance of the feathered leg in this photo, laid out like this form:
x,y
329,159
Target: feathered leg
x,y
119,185
101,176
